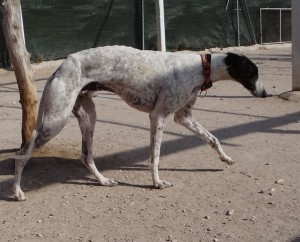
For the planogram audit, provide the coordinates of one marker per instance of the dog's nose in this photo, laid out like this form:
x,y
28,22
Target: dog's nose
x,y
264,94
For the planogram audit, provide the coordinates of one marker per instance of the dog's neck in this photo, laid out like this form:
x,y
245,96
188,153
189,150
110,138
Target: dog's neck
x,y
218,68
206,62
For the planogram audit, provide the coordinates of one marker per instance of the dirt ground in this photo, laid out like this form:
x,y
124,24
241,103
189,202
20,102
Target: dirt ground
x,y
257,199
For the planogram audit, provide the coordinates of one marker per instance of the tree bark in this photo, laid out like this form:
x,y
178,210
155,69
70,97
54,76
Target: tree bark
x,y
20,60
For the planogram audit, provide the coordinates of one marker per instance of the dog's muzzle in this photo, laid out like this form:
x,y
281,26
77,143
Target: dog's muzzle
x,y
259,90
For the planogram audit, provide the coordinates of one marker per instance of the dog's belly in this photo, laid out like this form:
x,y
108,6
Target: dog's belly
x,y
142,100
147,99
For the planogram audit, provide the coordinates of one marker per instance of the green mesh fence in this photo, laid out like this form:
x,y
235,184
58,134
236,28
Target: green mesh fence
x,y
56,28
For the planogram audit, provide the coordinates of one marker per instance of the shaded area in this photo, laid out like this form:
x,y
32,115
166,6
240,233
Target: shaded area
x,y
296,239
58,169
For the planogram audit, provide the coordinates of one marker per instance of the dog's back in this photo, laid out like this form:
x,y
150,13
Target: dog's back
x,y
139,77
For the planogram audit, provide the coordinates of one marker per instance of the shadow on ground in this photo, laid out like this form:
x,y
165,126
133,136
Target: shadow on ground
x,y
48,170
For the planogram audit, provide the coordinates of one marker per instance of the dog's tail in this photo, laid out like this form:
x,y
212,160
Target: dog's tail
x,y
25,152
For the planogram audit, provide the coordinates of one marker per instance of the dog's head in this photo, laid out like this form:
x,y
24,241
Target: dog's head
x,y
244,71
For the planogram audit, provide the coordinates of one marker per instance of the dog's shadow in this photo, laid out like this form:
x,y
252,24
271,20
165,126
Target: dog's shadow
x,y
58,165
66,167
40,172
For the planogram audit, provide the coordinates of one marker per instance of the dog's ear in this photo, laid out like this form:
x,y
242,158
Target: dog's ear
x,y
232,59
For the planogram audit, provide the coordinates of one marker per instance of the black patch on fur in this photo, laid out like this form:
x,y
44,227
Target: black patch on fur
x,y
85,150
242,70
94,86
44,135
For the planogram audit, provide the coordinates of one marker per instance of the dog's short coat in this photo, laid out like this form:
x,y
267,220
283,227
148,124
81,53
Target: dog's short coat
x,y
153,82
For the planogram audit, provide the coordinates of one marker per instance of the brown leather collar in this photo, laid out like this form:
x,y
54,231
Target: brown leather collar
x,y
206,59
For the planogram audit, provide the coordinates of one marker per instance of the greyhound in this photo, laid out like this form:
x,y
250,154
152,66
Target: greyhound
x,y
158,83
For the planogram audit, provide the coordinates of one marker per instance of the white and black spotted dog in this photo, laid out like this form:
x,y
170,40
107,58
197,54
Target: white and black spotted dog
x,y
153,82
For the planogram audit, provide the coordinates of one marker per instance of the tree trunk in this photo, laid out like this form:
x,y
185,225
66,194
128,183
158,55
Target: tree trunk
x,y
20,60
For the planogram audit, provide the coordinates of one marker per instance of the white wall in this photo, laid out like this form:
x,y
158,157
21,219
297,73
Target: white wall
x,y
296,44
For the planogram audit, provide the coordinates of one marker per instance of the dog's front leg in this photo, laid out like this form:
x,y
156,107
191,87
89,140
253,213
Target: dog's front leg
x,y
184,117
156,126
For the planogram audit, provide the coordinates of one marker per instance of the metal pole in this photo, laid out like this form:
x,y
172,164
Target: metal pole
x,y
280,25
238,21
260,22
160,22
143,24
253,34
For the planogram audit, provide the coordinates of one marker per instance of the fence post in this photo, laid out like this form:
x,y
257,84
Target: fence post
x,y
294,95
160,23
296,45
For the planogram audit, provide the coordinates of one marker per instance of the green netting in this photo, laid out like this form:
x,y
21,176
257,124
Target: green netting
x,y
203,24
56,28
4,56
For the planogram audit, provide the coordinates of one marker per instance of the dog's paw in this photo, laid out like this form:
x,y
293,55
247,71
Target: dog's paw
x,y
109,182
227,160
19,195
162,184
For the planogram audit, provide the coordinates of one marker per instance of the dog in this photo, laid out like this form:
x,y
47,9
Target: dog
x,y
158,83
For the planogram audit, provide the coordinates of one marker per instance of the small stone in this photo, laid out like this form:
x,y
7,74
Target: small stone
x,y
40,235
261,191
271,191
207,217
170,238
252,218
230,212
39,221
271,203
279,181
215,240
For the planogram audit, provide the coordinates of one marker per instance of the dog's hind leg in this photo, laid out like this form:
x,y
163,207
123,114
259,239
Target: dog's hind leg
x,y
85,112
17,191
184,117
21,159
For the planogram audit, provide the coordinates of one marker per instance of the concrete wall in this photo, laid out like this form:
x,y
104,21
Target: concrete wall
x,y
296,44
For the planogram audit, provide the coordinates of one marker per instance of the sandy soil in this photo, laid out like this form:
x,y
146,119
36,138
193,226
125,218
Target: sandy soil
x,y
208,202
